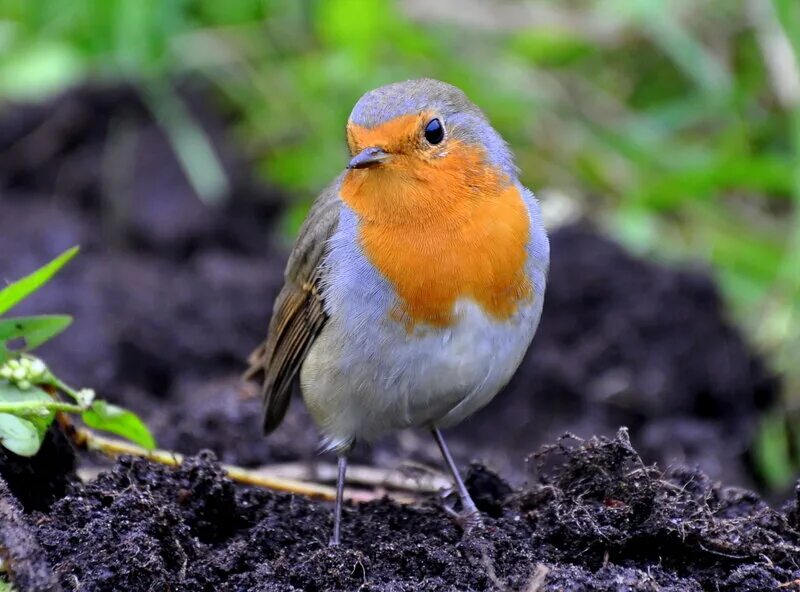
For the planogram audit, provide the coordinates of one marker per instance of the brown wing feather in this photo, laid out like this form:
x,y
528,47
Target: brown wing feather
x,y
299,312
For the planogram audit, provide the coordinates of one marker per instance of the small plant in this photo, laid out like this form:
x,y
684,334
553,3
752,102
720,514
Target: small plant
x,y
30,394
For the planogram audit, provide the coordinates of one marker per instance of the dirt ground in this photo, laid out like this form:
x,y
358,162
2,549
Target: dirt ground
x,y
599,519
169,296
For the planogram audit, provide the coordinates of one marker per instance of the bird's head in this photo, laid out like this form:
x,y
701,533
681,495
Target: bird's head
x,y
413,141
408,127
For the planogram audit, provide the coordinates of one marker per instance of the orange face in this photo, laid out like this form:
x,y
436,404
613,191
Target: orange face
x,y
402,137
439,223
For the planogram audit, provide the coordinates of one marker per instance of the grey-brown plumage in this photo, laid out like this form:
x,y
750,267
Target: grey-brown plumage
x,y
298,315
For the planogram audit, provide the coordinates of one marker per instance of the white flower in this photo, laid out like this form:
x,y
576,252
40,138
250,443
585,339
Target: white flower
x,y
37,367
25,372
85,397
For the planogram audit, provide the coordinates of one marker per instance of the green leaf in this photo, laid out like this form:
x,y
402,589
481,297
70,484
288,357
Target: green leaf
x,y
39,68
9,393
20,436
771,452
19,290
36,330
120,421
23,436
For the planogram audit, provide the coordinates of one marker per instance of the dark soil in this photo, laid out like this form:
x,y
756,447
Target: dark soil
x,y
599,519
170,295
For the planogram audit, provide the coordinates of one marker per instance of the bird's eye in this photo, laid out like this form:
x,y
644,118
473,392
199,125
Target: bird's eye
x,y
434,131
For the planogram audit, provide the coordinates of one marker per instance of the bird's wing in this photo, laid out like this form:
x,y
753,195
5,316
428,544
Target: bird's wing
x,y
299,312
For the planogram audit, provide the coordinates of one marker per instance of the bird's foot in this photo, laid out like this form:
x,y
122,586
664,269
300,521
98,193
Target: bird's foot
x,y
468,519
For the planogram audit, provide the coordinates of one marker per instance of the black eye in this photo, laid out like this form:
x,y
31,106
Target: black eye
x,y
434,131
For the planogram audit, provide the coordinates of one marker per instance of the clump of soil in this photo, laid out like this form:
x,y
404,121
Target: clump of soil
x,y
37,482
598,518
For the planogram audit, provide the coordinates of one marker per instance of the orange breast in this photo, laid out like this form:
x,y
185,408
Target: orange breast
x,y
443,229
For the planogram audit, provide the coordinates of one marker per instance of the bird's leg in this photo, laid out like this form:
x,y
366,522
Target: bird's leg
x,y
470,517
337,512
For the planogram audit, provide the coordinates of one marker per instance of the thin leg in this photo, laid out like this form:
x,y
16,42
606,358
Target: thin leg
x,y
337,512
470,517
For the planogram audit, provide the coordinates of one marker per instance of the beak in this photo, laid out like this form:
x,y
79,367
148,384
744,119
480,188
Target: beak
x,y
369,157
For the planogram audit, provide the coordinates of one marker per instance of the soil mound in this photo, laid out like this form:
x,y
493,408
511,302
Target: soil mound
x,y
597,519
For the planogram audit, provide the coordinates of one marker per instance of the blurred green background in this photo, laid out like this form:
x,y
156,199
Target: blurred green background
x,y
674,124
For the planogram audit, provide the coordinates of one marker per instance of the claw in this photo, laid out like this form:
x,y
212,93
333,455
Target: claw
x,y
471,521
468,520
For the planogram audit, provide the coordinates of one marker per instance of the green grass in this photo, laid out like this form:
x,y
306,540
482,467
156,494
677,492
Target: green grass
x,y
674,124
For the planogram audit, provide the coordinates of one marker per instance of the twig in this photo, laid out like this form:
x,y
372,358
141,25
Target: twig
x,y
430,482
538,578
87,439
491,573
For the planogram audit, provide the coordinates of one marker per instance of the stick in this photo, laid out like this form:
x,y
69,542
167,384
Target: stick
x,y
429,482
87,439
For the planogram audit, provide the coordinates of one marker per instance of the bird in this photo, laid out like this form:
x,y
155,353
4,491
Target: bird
x,y
415,284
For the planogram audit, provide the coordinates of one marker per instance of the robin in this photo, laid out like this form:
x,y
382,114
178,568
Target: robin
x,y
416,282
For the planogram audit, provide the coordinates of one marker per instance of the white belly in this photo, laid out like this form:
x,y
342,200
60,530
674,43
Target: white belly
x,y
363,379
